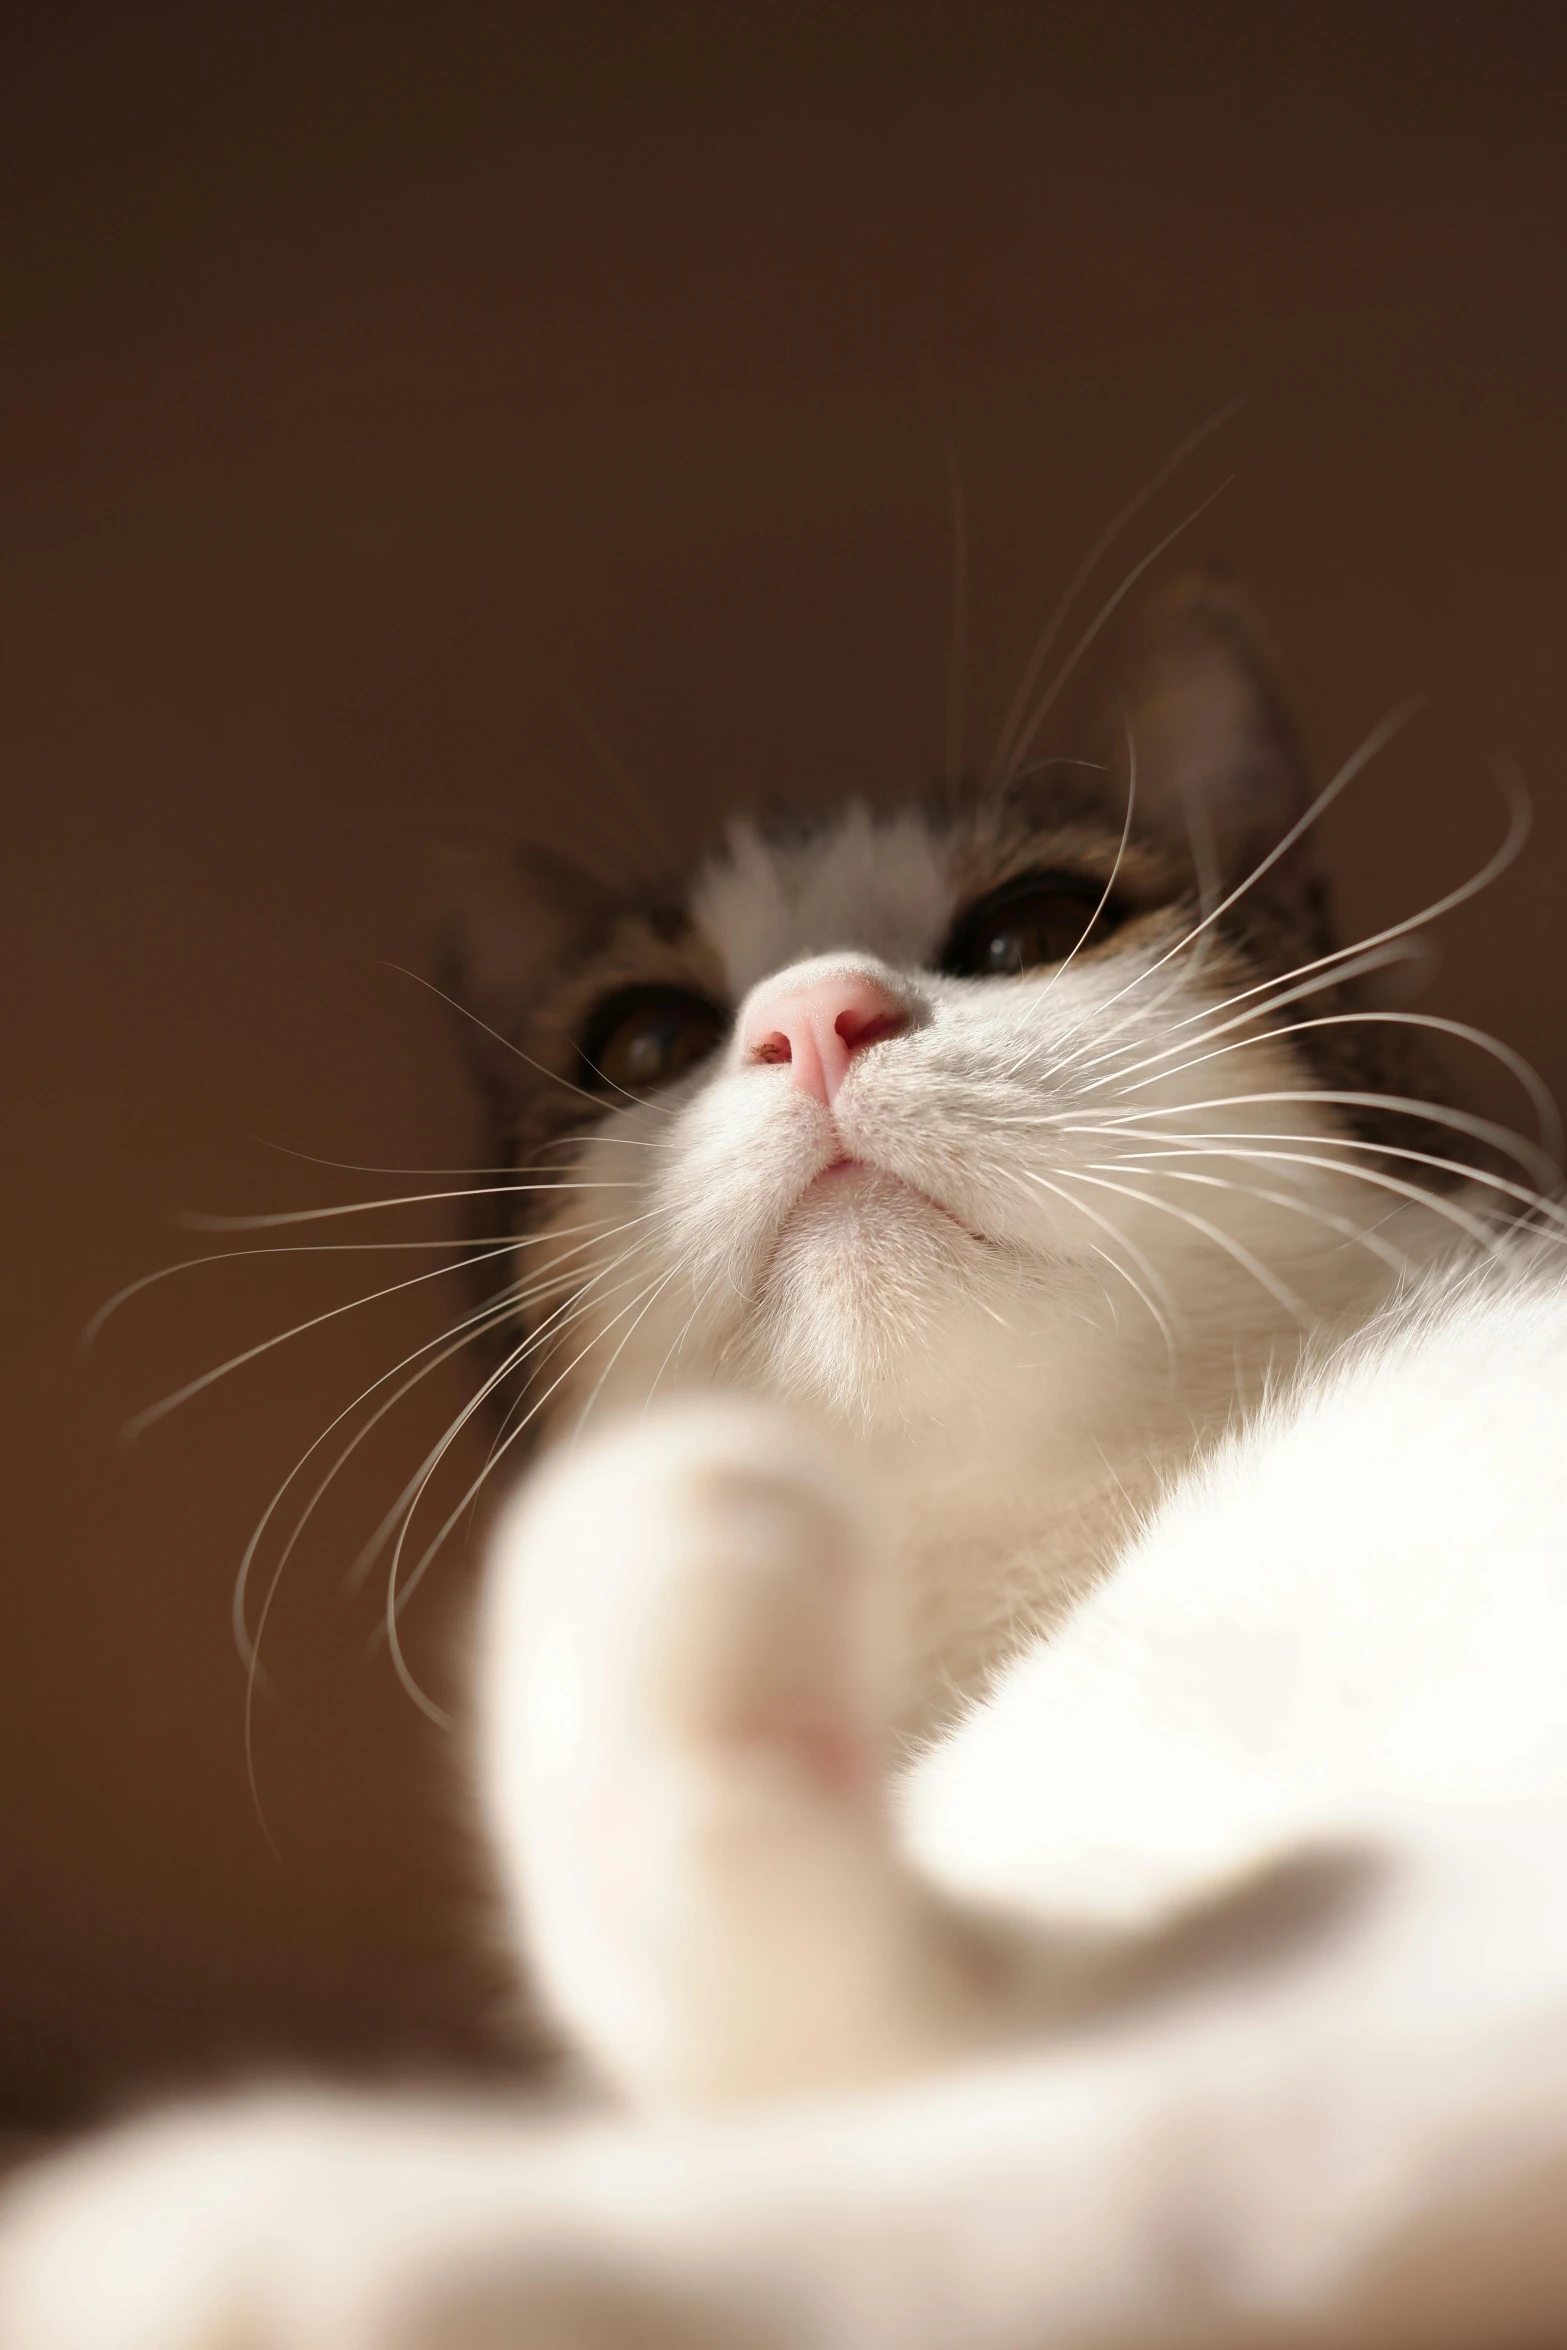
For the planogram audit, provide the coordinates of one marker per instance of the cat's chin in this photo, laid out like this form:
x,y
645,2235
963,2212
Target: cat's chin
x,y
857,1218
869,1240
863,1278
859,1186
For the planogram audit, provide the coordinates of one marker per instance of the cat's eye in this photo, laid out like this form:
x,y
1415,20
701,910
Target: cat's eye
x,y
1032,920
643,1037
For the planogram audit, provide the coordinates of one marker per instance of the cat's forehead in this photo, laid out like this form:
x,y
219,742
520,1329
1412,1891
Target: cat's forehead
x,y
881,885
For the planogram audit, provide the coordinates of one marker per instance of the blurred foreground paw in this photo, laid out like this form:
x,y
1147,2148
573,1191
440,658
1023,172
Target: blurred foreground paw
x,y
297,2223
196,2230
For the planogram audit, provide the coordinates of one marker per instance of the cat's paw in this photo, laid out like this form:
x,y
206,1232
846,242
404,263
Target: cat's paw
x,y
686,1682
294,2223
692,1583
683,1679
163,2235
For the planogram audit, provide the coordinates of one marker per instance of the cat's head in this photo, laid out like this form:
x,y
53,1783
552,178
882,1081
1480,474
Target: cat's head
x,y
1002,1111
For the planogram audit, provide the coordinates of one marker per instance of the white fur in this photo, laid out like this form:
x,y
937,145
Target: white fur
x,y
1199,1973
1026,1366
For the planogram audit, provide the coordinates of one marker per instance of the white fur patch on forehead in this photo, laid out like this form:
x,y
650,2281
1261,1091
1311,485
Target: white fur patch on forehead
x,y
878,885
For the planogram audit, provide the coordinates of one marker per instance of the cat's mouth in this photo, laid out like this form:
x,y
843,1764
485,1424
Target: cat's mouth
x,y
847,1196
842,1169
846,1177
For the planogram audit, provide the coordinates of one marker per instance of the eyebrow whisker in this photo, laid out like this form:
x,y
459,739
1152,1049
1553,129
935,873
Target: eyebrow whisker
x,y
1002,759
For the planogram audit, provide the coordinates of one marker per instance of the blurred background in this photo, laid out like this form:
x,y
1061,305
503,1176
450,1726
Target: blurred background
x,y
361,373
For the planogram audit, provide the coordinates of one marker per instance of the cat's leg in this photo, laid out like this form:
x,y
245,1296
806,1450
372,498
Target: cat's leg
x,y
685,1686
687,1676
1318,2170
300,2220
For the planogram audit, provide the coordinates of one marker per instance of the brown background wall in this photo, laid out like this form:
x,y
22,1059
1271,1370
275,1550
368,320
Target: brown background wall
x,y
345,357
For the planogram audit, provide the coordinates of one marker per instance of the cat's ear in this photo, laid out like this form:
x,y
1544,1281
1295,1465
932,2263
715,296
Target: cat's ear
x,y
1218,770
507,924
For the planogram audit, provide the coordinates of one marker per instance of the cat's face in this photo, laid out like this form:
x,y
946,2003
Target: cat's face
x,y
963,1122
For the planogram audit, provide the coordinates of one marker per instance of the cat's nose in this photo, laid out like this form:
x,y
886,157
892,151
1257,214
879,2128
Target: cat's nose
x,y
817,1022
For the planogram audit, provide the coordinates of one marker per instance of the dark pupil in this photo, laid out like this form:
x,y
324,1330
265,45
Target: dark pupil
x,y
1023,928
647,1038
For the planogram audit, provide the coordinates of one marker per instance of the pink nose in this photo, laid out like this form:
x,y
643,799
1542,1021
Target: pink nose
x,y
818,1025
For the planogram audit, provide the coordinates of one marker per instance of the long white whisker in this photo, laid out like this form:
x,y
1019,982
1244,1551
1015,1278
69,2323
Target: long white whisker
x,y
679,1341
562,1321
319,1248
1243,1257
1358,759
1024,1052
1080,1063
1120,852
142,1421
1128,513
488,1318
1052,694
438,1350
1519,826
1380,1180
1217,1145
408,1501
1514,1146
195,1221
626,1337
1520,823
637,1100
1297,1205
508,1304
1081,1208
362,1167
1540,1099
496,1310
397,1599
576,1302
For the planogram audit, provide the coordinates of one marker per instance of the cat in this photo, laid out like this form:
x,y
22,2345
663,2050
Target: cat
x,y
1020,1715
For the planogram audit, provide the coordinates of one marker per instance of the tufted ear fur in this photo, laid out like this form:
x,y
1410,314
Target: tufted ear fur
x,y
1218,767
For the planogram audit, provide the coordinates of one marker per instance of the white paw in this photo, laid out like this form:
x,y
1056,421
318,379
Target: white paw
x,y
693,1579
164,2236
303,2224
685,1679
682,1725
